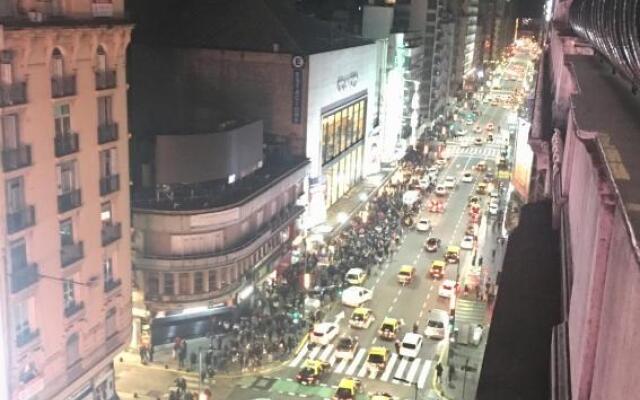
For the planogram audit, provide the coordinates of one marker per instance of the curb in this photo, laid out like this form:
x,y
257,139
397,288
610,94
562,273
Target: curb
x,y
434,384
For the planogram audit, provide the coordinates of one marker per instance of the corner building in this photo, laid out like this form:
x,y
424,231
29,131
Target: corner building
x,y
65,269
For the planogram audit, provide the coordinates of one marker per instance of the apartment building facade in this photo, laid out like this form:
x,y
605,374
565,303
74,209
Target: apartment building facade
x,y
65,247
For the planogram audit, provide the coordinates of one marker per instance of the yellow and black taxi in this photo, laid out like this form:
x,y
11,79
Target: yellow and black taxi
x,y
377,359
437,269
347,389
312,371
389,329
406,274
361,318
452,255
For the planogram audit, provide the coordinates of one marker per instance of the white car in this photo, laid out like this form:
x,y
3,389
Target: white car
x,y
441,162
494,195
447,287
467,177
355,276
411,345
467,242
493,209
323,333
450,182
433,171
437,324
355,296
460,132
441,190
425,182
423,225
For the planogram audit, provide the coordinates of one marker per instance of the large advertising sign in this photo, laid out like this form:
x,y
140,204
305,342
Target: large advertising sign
x,y
523,160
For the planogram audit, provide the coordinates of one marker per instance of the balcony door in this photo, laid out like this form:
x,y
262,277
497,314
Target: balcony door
x,y
66,177
66,233
108,163
10,132
57,60
62,119
15,194
105,115
18,254
6,67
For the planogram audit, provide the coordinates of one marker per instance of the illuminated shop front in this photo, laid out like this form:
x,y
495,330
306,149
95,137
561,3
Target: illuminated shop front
x,y
343,131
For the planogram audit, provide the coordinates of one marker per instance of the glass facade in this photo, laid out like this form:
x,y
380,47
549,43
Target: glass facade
x,y
343,133
342,129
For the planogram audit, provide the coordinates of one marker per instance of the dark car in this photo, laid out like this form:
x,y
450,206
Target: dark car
x,y
432,244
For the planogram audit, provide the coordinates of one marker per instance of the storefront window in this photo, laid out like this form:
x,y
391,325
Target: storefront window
x,y
342,129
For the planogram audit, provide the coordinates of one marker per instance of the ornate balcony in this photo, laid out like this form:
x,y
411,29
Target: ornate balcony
x,y
66,143
13,94
111,285
69,201
110,233
63,86
24,276
109,184
16,158
106,79
107,132
71,253
73,308
21,219
26,336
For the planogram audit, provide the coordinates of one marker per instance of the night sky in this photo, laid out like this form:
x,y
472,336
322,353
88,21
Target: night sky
x,y
529,8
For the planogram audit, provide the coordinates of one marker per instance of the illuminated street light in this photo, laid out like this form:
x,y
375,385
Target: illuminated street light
x,y
342,217
362,196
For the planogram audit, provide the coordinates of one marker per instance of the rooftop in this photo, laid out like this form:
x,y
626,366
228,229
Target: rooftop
x,y
605,105
215,194
241,25
17,23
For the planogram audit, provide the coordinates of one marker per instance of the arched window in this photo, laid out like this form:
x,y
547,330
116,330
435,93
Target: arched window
x,y
57,63
101,59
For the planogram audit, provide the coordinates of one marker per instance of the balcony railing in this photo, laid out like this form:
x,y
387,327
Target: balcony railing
x,y
112,284
109,184
110,233
69,201
16,158
23,277
105,79
26,336
66,143
63,86
21,219
73,308
107,132
13,94
71,253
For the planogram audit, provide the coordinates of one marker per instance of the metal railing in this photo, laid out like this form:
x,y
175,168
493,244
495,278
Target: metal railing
x,y
110,233
71,253
112,284
69,201
13,94
73,308
26,336
107,132
109,184
106,79
21,219
66,143
16,158
24,276
63,86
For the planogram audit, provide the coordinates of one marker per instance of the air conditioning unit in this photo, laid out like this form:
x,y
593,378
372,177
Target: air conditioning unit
x,y
35,16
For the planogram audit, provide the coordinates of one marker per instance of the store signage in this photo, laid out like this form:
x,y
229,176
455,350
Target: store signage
x,y
346,81
297,63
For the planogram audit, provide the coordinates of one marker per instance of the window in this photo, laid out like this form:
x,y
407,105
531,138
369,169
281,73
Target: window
x,y
105,214
62,119
107,270
108,163
153,283
57,63
213,281
184,283
73,350
224,278
110,327
21,312
10,131
101,59
6,67
66,177
168,284
66,233
18,254
198,284
15,194
68,293
105,110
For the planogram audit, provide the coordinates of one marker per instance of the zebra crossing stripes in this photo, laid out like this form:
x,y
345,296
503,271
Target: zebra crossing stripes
x,y
414,371
475,151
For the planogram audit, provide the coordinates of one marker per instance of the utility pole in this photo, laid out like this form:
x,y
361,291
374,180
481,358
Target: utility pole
x,y
464,382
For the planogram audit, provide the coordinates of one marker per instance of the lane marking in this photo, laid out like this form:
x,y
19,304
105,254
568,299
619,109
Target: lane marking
x,y
342,366
390,309
314,352
299,357
400,371
326,352
413,370
389,368
426,367
356,361
363,371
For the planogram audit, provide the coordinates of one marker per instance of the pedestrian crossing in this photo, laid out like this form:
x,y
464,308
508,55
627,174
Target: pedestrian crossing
x,y
397,371
484,151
